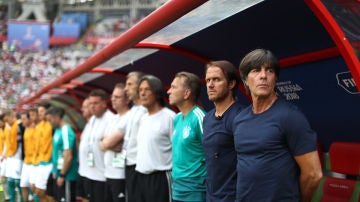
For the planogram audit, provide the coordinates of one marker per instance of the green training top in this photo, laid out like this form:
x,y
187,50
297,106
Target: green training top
x,y
64,138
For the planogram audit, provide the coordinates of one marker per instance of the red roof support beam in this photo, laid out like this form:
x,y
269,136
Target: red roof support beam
x,y
75,96
166,14
186,53
174,50
309,57
107,70
338,36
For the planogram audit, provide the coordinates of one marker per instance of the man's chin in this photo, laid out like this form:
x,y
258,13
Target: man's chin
x,y
212,99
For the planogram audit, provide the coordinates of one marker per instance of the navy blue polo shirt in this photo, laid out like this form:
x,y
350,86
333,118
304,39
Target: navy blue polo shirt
x,y
220,155
266,144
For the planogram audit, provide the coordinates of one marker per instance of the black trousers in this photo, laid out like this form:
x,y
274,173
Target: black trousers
x,y
115,190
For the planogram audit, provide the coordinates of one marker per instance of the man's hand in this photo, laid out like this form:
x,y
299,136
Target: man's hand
x,y
118,147
113,141
60,181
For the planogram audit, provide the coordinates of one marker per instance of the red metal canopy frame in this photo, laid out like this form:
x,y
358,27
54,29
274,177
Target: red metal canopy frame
x,y
165,15
173,10
338,36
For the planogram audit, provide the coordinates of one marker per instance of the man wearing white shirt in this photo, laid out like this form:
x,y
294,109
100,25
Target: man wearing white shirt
x,y
130,140
111,144
80,185
154,157
91,157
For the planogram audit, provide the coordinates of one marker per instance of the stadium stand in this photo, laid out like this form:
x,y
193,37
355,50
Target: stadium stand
x,y
24,72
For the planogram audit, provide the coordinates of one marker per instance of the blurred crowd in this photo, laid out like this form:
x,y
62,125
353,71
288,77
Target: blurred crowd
x,y
23,73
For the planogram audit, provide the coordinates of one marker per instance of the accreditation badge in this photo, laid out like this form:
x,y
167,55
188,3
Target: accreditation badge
x,y
90,159
119,159
60,162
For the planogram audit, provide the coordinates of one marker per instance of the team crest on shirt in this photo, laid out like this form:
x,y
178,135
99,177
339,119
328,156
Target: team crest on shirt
x,y
186,132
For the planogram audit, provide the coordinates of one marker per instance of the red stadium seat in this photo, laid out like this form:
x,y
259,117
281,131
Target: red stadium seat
x,y
341,190
344,159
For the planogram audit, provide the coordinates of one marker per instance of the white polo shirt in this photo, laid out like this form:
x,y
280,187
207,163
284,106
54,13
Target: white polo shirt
x,y
82,152
154,142
89,143
112,171
130,141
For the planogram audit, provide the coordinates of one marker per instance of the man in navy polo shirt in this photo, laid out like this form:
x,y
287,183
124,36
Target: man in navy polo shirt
x,y
277,157
218,140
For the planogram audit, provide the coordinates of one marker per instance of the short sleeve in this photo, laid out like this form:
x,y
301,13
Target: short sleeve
x,y
121,126
299,135
68,137
199,126
171,127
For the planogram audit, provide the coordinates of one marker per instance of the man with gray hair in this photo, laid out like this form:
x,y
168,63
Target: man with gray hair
x,y
153,162
275,145
129,150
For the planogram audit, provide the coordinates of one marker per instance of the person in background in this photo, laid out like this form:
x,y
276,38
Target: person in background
x,y
34,117
129,150
43,149
111,144
153,162
86,113
14,141
64,157
277,157
222,80
85,109
27,168
91,158
188,158
3,180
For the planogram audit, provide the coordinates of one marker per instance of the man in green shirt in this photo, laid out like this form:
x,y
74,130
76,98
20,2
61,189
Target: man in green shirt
x,y
64,157
188,158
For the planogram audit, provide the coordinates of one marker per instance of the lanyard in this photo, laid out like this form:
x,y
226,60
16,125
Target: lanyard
x,y
131,126
92,131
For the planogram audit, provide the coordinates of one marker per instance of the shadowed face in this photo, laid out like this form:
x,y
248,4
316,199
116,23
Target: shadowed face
x,y
217,86
85,109
119,99
41,113
97,105
131,88
54,120
147,96
34,116
25,120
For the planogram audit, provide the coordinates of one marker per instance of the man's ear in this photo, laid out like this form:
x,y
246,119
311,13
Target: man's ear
x,y
187,93
246,86
232,84
244,82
